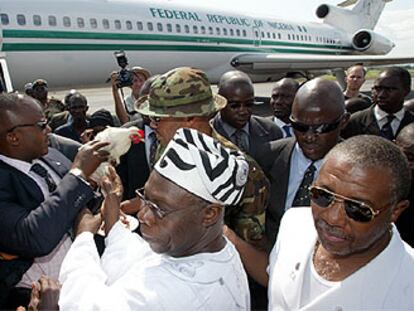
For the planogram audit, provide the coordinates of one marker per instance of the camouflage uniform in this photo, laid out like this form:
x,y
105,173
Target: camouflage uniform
x,y
53,107
186,92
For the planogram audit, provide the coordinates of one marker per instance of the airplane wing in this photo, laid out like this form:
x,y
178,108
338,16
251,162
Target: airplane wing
x,y
270,63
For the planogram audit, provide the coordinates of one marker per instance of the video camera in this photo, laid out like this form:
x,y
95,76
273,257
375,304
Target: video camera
x,y
124,76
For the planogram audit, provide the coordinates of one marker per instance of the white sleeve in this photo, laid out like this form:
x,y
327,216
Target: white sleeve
x,y
123,249
84,282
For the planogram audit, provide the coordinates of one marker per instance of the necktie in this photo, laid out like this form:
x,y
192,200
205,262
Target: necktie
x,y
239,140
286,129
302,195
42,172
153,149
386,130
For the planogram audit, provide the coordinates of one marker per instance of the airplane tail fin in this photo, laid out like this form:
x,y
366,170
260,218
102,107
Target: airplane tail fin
x,y
364,15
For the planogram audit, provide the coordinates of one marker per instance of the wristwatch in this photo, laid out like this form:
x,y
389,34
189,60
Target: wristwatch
x,y
79,173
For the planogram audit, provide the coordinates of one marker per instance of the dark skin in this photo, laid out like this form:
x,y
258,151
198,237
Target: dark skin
x,y
318,102
405,140
238,89
345,244
389,92
281,100
78,108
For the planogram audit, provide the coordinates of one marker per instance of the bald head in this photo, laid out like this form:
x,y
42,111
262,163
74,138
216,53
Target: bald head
x,y
233,79
288,84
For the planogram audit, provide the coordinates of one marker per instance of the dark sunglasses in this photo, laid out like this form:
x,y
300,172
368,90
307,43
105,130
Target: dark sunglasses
x,y
41,125
356,210
238,105
317,129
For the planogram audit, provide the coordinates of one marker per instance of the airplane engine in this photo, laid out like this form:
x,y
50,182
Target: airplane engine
x,y
333,15
367,41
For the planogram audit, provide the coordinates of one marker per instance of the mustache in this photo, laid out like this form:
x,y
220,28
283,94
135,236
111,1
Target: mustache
x,y
330,230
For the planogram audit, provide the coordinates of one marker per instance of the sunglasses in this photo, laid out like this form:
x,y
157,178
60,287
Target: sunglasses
x,y
41,125
238,105
356,210
317,129
160,213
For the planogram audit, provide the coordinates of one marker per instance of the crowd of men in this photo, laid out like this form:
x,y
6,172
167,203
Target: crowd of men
x,y
308,209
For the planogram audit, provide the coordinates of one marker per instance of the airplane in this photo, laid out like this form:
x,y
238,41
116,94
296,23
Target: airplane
x,y
72,42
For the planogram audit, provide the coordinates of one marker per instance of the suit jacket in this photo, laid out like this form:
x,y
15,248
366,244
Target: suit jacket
x,y
68,147
364,122
30,224
261,131
275,161
133,167
385,283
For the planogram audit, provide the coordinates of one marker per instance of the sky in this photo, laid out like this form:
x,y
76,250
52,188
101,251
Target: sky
x,y
396,22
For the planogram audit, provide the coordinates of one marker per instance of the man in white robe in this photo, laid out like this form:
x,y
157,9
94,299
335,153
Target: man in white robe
x,y
182,261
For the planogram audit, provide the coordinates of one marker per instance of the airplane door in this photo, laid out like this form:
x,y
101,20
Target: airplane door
x,y
257,39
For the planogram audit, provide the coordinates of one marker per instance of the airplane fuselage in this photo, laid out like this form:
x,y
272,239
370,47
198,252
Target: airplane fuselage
x,y
72,42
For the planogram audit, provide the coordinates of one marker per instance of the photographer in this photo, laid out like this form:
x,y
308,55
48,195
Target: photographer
x,y
124,108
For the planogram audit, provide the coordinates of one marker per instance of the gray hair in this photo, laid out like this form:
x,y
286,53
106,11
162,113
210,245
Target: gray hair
x,y
369,151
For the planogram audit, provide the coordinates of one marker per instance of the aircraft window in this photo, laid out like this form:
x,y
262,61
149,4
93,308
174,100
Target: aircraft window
x,y
297,37
288,36
4,19
210,30
169,27
178,28
238,32
244,33
268,35
195,29
279,36
93,22
263,34
37,20
304,29
187,29
256,34
140,26
225,31
203,30
150,26
21,19
105,23
231,32
66,21
117,23
159,27
81,22
218,31
273,35
301,37
300,29
52,20
128,25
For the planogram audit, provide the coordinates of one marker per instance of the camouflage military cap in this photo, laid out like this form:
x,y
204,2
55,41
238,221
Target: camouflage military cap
x,y
181,92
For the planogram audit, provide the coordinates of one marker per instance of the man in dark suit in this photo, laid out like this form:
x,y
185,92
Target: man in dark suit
x,y
235,121
39,199
387,116
318,115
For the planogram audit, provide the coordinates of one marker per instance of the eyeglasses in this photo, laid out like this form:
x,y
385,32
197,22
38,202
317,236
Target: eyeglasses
x,y
155,119
41,125
160,213
238,105
317,129
356,210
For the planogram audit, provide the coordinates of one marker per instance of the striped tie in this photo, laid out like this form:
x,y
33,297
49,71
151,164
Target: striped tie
x,y
42,172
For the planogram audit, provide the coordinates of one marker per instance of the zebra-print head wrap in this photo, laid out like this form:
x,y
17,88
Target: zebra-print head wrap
x,y
202,166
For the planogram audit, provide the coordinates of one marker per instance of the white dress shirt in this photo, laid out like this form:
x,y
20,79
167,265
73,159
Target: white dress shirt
x,y
284,127
381,117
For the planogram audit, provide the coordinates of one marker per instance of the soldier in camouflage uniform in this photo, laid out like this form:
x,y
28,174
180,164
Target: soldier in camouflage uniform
x,y
182,97
51,106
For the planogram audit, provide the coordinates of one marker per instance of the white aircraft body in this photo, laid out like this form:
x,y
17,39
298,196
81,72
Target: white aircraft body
x,y
72,42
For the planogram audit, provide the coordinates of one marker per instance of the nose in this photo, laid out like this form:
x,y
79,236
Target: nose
x,y
310,135
335,213
146,216
48,129
153,124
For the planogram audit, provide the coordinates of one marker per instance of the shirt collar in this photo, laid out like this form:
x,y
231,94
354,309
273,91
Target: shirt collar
x,y
303,159
279,122
231,130
381,114
22,166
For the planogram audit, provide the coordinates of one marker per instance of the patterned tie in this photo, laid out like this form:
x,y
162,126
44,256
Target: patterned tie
x,y
42,172
302,195
153,148
386,130
239,141
286,129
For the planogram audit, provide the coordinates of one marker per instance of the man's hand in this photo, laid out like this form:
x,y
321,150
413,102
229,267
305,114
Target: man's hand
x,y
116,184
87,135
114,80
90,156
111,205
45,295
87,222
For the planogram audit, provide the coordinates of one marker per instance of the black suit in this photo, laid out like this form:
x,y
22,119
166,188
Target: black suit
x,y
133,168
275,162
261,131
30,224
364,122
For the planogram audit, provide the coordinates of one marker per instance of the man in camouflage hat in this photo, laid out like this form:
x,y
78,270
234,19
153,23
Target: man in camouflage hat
x,y
50,105
182,98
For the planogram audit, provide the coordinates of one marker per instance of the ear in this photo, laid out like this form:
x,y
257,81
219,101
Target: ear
x,y
345,120
12,139
213,213
398,209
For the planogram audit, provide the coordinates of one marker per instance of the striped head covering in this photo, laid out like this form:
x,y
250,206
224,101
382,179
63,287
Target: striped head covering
x,y
202,166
